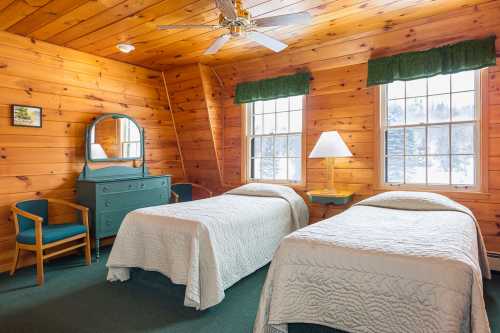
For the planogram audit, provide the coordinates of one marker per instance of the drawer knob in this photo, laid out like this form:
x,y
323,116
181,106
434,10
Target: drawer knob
x,y
105,189
142,185
107,203
129,185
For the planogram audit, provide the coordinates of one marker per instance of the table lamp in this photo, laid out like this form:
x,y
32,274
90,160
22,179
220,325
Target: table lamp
x,y
329,146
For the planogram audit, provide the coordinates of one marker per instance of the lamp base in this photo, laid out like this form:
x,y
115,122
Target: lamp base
x,y
330,169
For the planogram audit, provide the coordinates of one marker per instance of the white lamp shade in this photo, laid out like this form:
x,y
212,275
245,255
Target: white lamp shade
x,y
330,144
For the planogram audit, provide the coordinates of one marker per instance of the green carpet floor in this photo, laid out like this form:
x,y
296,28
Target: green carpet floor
x,y
77,298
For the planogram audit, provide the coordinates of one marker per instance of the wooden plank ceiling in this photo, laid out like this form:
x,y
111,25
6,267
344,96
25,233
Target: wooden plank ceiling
x,y
96,26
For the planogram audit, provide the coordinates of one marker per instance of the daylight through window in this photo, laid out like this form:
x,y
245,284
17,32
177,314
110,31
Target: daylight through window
x,y
430,131
275,140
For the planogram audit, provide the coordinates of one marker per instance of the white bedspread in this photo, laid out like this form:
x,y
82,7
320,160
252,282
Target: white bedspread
x,y
208,245
374,269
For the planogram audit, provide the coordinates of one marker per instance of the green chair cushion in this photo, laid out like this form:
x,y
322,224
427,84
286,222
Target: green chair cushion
x,y
51,233
185,191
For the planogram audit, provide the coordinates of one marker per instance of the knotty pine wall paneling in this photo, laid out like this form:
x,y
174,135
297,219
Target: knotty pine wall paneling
x,y
197,112
73,88
339,100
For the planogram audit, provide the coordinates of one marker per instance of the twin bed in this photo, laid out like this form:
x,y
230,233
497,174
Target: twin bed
x,y
395,262
210,244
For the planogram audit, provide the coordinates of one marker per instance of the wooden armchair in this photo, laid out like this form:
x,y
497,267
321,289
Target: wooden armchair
x,y
182,192
34,233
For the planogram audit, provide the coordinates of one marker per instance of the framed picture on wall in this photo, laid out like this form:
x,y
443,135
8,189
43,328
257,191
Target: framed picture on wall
x,y
26,116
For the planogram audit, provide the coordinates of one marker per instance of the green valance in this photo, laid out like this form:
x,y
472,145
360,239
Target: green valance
x,y
463,56
263,90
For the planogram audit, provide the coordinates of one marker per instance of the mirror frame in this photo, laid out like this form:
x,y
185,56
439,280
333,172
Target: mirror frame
x,y
88,156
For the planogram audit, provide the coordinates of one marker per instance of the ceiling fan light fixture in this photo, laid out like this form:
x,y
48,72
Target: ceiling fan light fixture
x,y
125,47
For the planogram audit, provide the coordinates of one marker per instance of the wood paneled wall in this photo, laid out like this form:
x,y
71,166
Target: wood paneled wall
x,y
196,105
72,88
339,100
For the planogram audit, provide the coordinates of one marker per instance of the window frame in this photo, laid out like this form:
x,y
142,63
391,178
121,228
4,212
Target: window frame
x,y
245,148
481,143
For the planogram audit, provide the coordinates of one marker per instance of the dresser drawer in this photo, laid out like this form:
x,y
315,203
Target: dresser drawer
x,y
131,185
132,199
109,223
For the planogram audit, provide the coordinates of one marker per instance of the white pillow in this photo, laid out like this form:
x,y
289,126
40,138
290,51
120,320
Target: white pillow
x,y
411,201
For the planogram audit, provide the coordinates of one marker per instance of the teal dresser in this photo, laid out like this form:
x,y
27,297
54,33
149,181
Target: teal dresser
x,y
112,192
110,200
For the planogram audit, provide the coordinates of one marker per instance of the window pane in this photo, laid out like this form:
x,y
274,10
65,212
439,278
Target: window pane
x,y
267,167
438,141
294,169
257,125
396,112
439,84
258,107
269,123
255,168
280,148
282,122
415,170
294,143
282,104
269,106
295,121
439,108
395,141
296,102
394,169
255,149
416,110
267,146
280,165
438,171
462,170
462,81
462,106
416,88
462,139
396,89
415,141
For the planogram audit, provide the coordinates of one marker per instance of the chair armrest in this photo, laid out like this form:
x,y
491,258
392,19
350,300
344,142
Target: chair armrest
x,y
175,195
35,218
84,210
210,193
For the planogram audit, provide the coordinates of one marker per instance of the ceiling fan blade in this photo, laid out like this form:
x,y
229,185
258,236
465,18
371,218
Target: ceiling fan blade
x,y
287,19
216,46
227,9
266,41
187,26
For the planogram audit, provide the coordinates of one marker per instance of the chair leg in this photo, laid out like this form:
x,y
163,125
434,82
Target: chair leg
x,y
16,258
88,256
39,266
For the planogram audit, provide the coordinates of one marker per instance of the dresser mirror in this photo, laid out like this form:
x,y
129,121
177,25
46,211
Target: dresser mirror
x,y
114,137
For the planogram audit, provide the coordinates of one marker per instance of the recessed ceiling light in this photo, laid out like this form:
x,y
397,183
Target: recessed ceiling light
x,y
125,48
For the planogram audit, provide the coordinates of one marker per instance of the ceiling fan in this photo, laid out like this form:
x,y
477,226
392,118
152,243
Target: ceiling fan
x,y
239,22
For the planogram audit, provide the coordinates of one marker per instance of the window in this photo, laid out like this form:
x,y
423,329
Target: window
x,y
274,140
130,139
430,131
